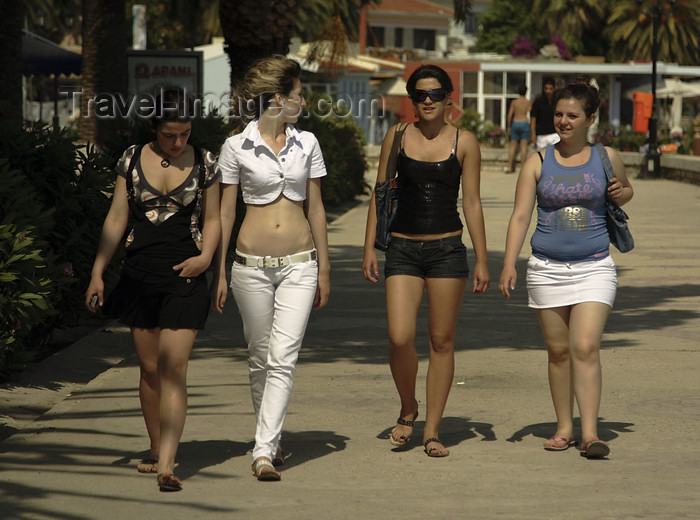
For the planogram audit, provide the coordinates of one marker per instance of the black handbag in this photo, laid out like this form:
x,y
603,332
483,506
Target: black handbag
x,y
615,217
386,194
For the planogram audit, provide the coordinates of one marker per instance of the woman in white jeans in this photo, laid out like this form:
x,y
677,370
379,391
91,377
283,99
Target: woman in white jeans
x,y
280,267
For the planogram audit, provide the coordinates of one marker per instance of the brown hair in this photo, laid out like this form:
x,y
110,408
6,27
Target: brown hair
x,y
580,90
267,77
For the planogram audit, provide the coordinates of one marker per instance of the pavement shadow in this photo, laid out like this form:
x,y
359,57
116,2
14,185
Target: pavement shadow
x,y
195,456
353,324
607,430
453,431
305,446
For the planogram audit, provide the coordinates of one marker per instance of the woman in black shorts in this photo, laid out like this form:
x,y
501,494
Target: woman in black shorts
x,y
426,250
167,187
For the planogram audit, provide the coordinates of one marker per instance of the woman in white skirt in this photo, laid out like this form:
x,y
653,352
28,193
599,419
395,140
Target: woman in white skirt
x,y
571,277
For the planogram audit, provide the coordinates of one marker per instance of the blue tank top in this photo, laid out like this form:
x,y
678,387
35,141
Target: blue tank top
x,y
571,211
428,191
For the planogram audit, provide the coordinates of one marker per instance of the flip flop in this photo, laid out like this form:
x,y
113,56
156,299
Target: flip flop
x,y
435,452
403,440
595,449
147,466
169,482
569,443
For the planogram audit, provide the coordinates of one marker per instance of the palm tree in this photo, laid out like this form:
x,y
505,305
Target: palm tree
x,y
104,56
571,17
254,29
630,27
11,61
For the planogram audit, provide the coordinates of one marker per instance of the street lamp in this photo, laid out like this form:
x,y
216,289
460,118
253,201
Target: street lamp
x,y
653,156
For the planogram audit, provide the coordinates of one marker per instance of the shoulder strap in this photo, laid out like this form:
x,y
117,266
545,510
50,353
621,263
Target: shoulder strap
x,y
129,178
395,145
607,165
199,160
541,158
454,148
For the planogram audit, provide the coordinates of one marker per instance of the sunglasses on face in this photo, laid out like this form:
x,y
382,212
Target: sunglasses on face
x,y
435,94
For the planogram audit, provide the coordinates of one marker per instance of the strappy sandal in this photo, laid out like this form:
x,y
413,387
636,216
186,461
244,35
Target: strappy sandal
x,y
278,459
148,466
435,452
169,482
265,471
403,440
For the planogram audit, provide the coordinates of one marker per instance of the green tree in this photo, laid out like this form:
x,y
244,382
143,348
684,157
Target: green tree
x,y
254,29
571,17
502,22
630,27
54,19
578,22
177,24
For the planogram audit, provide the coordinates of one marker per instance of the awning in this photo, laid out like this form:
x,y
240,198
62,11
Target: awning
x,y
394,87
42,57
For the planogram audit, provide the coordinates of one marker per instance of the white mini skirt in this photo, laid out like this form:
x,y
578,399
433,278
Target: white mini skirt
x,y
558,284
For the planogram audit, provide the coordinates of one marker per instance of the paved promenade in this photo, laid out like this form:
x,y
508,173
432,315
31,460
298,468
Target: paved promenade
x,y
78,431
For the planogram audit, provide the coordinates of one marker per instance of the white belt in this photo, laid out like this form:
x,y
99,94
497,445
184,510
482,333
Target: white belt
x,y
271,262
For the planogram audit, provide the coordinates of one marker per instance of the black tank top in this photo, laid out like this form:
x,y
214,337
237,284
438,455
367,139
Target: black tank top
x,y
428,191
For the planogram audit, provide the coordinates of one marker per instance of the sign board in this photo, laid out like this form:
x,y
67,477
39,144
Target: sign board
x,y
151,69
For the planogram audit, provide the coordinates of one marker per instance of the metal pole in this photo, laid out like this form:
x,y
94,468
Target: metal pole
x,y
653,156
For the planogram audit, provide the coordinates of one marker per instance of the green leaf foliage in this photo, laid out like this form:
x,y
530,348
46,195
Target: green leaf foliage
x,y
54,195
342,143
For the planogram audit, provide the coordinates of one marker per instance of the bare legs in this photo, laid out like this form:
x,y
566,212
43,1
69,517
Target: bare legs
x,y
163,357
522,144
572,336
404,295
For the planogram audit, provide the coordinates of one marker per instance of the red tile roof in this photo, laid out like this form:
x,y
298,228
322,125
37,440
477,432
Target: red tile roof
x,y
411,7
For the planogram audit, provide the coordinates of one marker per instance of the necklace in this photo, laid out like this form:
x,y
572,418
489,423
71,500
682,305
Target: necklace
x,y
166,160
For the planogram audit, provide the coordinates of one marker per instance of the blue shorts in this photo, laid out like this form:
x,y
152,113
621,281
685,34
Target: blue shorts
x,y
441,258
520,130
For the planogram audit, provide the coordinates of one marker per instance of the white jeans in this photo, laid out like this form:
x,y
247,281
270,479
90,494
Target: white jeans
x,y
274,304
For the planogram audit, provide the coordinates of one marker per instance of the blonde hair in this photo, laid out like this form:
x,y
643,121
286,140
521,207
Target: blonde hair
x,y
267,77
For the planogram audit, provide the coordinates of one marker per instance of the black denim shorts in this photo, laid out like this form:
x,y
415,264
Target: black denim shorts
x,y
441,258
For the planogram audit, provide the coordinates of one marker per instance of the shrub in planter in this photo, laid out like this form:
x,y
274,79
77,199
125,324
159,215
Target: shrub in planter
x,y
342,143
628,140
470,120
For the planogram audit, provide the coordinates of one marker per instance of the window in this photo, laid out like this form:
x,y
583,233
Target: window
x,y
398,37
376,36
424,39
515,80
493,82
471,25
470,82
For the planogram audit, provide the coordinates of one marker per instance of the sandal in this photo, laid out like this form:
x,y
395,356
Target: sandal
x,y
595,449
265,471
403,439
567,443
278,459
148,466
169,482
435,452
